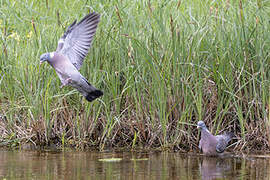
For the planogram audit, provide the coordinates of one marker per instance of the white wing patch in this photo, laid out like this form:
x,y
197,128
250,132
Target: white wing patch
x,y
61,40
51,54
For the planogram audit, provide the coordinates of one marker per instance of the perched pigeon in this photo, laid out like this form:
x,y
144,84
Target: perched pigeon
x,y
212,145
68,58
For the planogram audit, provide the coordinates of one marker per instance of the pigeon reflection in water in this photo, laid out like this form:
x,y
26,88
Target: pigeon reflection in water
x,y
215,168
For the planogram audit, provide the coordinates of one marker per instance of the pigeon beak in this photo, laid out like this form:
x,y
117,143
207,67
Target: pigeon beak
x,y
198,127
40,62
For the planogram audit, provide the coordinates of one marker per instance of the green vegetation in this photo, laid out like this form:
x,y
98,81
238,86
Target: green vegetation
x,y
161,64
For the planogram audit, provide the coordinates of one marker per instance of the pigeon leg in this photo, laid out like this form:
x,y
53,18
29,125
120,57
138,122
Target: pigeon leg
x,y
66,82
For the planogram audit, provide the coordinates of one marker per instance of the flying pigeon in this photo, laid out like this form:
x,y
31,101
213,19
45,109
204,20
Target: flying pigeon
x,y
68,58
213,145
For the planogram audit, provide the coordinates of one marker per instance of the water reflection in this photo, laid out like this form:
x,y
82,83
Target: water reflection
x,y
213,168
127,165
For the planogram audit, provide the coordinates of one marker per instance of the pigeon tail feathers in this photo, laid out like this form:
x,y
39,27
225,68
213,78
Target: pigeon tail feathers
x,y
93,95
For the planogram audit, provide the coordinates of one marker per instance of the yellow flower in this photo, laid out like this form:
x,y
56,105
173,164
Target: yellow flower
x,y
15,36
29,35
12,35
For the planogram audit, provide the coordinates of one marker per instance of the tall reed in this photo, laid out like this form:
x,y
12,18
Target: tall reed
x,y
161,64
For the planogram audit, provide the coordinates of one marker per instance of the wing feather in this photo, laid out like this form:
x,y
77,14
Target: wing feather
x,y
76,41
223,141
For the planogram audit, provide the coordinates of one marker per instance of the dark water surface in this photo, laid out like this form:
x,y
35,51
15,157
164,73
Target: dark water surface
x,y
127,165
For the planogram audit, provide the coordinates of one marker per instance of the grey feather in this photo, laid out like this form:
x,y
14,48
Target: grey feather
x,y
77,39
210,144
223,141
72,48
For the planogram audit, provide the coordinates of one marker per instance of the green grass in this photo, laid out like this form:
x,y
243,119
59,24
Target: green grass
x,y
161,64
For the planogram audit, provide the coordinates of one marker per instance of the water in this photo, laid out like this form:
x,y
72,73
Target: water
x,y
127,165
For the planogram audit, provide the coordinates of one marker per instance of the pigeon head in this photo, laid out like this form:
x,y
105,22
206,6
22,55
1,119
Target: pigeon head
x,y
46,57
201,125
